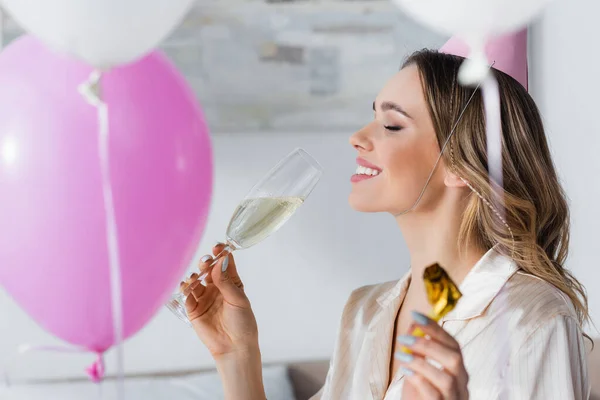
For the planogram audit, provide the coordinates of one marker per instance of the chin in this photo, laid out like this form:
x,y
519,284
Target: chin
x,y
362,204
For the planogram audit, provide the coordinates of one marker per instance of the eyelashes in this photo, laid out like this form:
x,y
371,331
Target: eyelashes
x,y
393,128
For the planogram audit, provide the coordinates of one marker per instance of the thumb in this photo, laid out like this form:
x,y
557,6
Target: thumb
x,y
221,278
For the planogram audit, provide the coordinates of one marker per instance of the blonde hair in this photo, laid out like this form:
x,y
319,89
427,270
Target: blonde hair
x,y
534,228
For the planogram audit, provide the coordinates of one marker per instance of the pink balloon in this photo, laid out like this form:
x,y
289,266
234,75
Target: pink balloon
x,y
53,252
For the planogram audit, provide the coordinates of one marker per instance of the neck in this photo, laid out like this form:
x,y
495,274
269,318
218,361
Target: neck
x,y
432,237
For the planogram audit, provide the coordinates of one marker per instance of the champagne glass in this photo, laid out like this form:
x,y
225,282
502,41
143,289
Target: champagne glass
x,y
266,207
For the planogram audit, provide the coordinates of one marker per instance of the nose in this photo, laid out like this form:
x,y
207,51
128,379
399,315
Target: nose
x,y
361,139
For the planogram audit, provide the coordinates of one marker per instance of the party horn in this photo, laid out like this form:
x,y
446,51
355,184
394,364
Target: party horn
x,y
442,293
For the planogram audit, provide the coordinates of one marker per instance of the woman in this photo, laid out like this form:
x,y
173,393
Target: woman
x,y
516,332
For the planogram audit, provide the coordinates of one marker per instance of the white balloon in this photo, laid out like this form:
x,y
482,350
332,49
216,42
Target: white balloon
x,y
103,33
472,19
475,22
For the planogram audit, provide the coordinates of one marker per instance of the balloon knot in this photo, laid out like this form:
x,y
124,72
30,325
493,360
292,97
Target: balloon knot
x,y
96,370
90,89
474,70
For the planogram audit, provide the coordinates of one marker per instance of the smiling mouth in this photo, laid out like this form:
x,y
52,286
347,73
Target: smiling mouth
x,y
364,173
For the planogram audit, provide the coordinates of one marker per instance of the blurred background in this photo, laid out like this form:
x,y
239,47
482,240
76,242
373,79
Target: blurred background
x,y
274,75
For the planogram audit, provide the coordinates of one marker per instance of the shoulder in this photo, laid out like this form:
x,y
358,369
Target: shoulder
x,y
545,330
370,293
533,303
546,347
363,301
537,298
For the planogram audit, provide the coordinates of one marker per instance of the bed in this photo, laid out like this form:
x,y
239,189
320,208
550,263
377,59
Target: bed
x,y
291,381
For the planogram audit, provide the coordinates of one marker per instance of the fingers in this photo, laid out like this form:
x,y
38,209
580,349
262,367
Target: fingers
x,y
230,288
191,286
231,268
435,360
222,273
217,248
191,302
449,358
426,376
440,346
433,330
196,289
423,386
204,267
185,286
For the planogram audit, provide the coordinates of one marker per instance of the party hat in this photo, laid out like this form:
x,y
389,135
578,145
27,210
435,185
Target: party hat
x,y
508,53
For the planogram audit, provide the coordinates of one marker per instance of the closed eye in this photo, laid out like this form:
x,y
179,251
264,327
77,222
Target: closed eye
x,y
393,128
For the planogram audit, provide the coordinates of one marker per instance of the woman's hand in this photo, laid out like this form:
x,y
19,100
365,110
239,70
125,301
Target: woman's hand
x,y
424,380
220,312
222,317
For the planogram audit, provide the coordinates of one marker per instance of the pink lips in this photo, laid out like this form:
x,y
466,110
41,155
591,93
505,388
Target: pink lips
x,y
364,163
358,178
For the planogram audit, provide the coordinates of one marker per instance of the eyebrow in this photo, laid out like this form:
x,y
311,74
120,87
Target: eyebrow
x,y
388,105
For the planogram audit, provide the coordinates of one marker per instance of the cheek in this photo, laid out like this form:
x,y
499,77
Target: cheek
x,y
407,169
407,166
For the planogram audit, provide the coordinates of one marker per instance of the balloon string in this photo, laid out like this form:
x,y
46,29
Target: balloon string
x,y
491,102
493,124
94,371
91,91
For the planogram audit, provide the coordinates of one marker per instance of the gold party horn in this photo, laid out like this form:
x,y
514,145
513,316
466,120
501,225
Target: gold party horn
x,y
442,293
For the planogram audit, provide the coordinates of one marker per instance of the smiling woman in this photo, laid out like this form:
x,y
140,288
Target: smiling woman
x,y
516,332
394,141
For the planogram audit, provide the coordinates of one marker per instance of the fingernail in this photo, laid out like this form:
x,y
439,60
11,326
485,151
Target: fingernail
x,y
406,371
420,318
205,258
407,340
225,264
406,358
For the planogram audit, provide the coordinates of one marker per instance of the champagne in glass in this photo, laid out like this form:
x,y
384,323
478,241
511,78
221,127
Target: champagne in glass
x,y
268,205
255,219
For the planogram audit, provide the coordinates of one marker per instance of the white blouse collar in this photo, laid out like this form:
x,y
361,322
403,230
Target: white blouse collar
x,y
481,285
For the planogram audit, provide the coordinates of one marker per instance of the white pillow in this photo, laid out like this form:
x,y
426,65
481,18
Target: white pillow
x,y
205,386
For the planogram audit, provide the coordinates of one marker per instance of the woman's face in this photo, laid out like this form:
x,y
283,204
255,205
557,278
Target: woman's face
x,y
400,148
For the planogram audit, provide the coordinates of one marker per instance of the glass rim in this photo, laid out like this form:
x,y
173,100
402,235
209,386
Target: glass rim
x,y
308,158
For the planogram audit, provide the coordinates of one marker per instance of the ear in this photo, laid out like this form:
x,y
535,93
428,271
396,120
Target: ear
x,y
453,180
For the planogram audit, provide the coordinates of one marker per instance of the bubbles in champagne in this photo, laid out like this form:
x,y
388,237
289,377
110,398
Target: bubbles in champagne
x,y
256,218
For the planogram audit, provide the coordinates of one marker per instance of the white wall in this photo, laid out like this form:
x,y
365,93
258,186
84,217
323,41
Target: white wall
x,y
298,280
566,84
